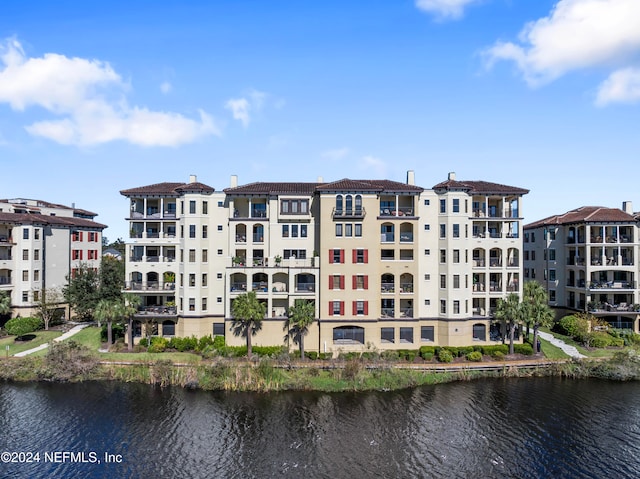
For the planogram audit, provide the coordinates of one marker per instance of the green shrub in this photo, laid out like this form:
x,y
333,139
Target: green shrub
x,y
600,340
204,342
491,350
427,356
464,351
218,342
498,355
575,326
627,335
390,355
370,355
407,354
143,342
475,356
445,356
427,351
158,344
617,342
313,355
325,355
21,326
349,356
525,349
271,351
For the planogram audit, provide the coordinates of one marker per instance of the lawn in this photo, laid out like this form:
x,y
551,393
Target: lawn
x,y
42,337
592,353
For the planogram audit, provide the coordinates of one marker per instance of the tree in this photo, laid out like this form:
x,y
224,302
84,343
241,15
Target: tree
x,y
5,303
536,307
112,277
248,314
509,311
81,292
109,311
301,316
49,304
131,303
21,326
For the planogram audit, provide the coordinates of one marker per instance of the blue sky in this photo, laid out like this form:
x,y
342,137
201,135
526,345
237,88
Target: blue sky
x,y
96,97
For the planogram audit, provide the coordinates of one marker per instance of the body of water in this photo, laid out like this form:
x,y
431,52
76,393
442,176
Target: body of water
x,y
514,428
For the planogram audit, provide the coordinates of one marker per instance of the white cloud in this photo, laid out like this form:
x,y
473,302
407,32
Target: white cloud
x,y
90,97
166,87
242,108
336,154
444,9
577,34
622,86
371,163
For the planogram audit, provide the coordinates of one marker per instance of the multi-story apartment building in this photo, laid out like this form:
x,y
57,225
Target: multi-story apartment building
x,y
389,265
587,259
41,245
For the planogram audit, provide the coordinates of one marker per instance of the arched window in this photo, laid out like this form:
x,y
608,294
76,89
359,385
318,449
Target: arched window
x,y
349,201
339,204
358,204
348,335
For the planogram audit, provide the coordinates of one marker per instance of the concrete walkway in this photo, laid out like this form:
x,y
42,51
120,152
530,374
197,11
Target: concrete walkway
x,y
567,349
66,335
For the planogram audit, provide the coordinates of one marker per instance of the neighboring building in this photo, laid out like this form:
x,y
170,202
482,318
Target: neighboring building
x,y
389,265
41,245
587,259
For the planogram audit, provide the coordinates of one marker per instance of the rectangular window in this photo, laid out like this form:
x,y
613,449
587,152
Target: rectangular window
x,y
443,281
218,275
359,308
220,204
192,280
204,279
533,237
427,227
218,329
336,308
192,256
205,255
360,281
406,335
552,275
25,275
25,296
295,253
387,335
456,205
303,231
552,295
552,234
456,231
336,281
336,256
348,230
192,207
36,234
533,256
427,302
205,207
192,304
192,231
456,255
427,252
338,229
36,275
427,333
36,255
443,206
360,255
443,231
443,255
358,230
294,206
220,227
552,255
219,252
427,277
285,231
443,306
526,255
456,281
205,231
204,304
25,233
456,307
36,296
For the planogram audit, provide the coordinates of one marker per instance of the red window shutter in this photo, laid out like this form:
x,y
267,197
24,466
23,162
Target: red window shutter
x,y
330,308
355,307
354,280
330,256
80,235
330,282
341,281
366,256
354,255
342,256
366,307
341,308
366,282
80,250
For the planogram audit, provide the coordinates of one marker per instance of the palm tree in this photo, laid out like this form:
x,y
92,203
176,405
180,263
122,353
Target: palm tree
x,y
247,314
5,303
108,311
301,316
131,303
537,309
509,311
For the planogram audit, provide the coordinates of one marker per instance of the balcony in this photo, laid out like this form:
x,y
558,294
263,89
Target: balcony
x,y
387,313
478,263
495,263
387,288
406,237
305,287
5,281
348,213
6,239
149,286
611,285
239,287
397,212
406,288
157,311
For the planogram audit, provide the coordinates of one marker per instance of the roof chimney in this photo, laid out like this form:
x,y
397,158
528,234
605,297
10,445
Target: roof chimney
x,y
193,178
320,179
452,176
411,177
627,207
234,181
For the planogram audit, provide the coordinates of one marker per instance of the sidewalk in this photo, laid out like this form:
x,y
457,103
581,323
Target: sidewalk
x,y
567,349
66,335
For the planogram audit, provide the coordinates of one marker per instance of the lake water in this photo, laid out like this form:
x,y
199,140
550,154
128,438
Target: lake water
x,y
513,428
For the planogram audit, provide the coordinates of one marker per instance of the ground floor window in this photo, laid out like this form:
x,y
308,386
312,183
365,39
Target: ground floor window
x,y
348,334
406,335
218,329
169,328
479,332
427,333
387,335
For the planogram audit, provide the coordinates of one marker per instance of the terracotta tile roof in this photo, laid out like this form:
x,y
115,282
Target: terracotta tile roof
x,y
163,189
195,187
84,212
26,218
480,187
586,214
380,186
265,188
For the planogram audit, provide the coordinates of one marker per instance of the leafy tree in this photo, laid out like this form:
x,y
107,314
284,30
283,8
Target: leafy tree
x,y
81,292
131,303
112,277
301,316
248,314
109,311
5,303
509,311
49,304
536,307
21,326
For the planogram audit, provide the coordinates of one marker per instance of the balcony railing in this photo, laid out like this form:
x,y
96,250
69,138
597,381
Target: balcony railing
x,y
495,287
348,213
4,281
387,287
406,287
406,313
239,287
387,313
611,285
406,237
149,286
400,211
478,287
157,310
478,262
495,263
387,237
305,287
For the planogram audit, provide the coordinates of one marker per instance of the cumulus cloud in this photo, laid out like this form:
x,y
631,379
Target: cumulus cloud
x,y
444,9
89,99
373,164
335,154
577,34
242,108
622,86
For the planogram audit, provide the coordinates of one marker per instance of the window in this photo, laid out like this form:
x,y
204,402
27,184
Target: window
x,y
443,281
479,332
456,231
36,234
427,252
443,206
75,254
220,227
526,272
443,255
456,281
426,202
36,295
192,304
552,234
443,231
192,207
552,255
192,231
427,333
181,211
205,231
526,255
443,306
387,335
336,281
295,253
533,256
219,300
427,302
205,207
360,256
303,231
36,275
406,335
204,279
220,204
533,237
181,231
25,296
348,334
552,275
360,308
336,308
218,275
552,295
358,230
336,256
387,254
294,231
192,279
25,275
427,227
456,255
360,281
526,237
181,255
204,303
427,277
218,329
36,255
25,233
456,307
294,206
205,256
192,256
338,229
348,229
168,328
456,205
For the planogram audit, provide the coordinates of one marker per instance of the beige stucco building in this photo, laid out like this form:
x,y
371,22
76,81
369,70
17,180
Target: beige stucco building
x,y
388,265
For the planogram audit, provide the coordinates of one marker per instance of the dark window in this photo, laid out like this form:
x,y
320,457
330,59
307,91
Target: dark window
x,y
387,335
218,329
427,333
